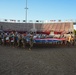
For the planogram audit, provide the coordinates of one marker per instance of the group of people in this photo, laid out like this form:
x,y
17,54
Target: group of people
x,y
70,40
16,39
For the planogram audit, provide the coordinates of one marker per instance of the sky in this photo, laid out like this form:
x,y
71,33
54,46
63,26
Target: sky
x,y
38,9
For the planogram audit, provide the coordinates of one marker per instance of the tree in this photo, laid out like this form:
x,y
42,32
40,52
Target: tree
x,y
75,31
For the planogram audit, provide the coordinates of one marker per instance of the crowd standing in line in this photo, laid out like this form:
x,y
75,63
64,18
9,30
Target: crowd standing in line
x,y
16,39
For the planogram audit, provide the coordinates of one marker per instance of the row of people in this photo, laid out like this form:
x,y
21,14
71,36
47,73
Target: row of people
x,y
20,40
16,39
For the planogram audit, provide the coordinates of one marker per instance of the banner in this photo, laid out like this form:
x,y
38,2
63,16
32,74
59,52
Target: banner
x,y
18,20
5,20
37,20
24,20
12,20
59,20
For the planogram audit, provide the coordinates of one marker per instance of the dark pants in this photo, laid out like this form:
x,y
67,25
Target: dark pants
x,y
31,44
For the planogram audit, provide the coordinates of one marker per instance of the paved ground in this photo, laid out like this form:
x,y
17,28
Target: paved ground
x,y
40,61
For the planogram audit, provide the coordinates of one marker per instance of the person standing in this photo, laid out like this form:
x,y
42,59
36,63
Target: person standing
x,y
31,41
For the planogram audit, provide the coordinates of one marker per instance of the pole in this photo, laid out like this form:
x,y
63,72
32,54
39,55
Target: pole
x,y
26,11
